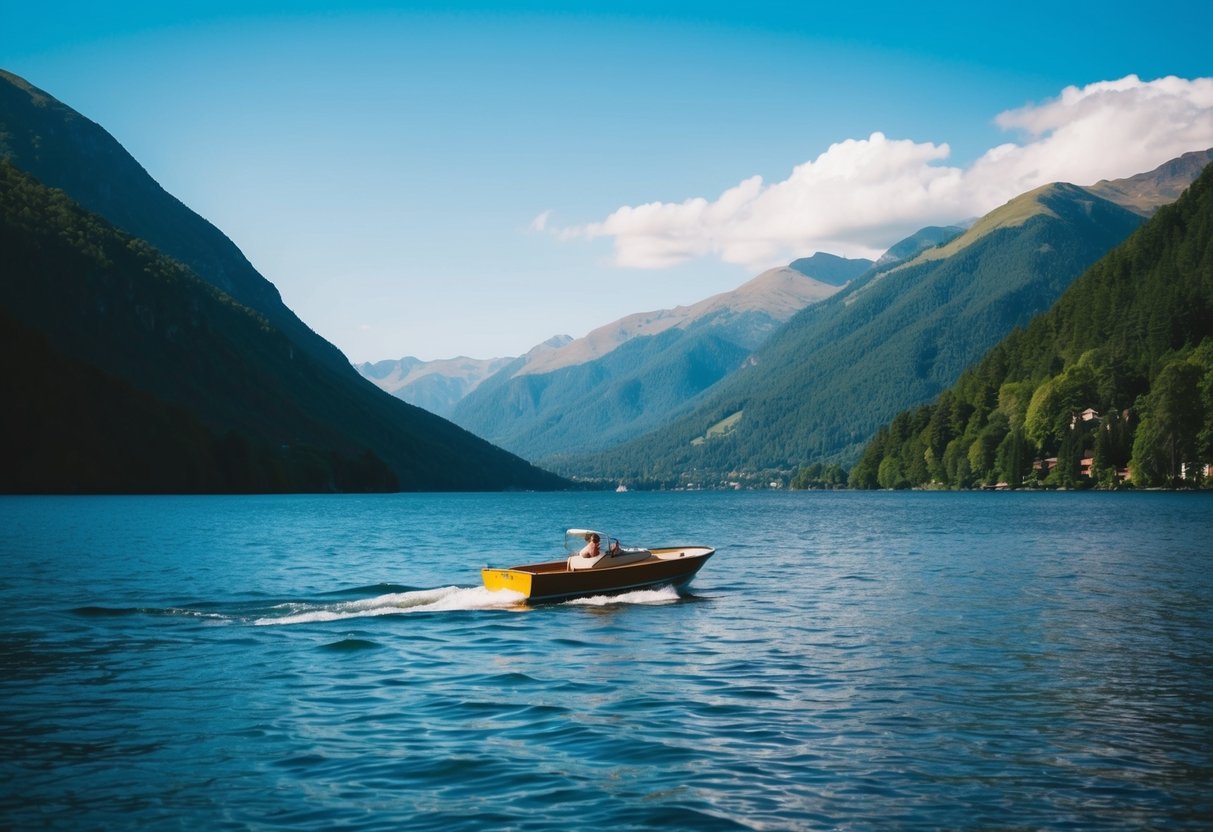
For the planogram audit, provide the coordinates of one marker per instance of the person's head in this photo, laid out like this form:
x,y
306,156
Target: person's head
x,y
594,538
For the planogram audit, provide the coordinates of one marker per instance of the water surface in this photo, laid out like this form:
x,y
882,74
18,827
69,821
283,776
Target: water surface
x,y
859,661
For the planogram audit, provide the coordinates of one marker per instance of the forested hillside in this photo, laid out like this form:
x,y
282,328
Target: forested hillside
x,y
823,385
1117,375
123,371
344,413
63,149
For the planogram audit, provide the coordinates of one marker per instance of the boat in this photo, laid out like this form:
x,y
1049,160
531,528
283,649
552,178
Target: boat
x,y
611,570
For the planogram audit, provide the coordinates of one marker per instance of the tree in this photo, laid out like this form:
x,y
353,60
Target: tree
x,y
1150,465
1177,415
1013,459
889,474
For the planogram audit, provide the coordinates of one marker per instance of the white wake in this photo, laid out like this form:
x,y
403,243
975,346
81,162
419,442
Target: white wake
x,y
441,599
662,595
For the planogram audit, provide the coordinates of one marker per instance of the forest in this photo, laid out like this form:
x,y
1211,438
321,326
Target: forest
x,y
125,372
825,383
1111,387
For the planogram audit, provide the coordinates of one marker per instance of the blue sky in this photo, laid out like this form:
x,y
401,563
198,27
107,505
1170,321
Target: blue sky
x,y
472,179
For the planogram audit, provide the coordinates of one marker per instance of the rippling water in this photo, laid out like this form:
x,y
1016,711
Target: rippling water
x,y
858,661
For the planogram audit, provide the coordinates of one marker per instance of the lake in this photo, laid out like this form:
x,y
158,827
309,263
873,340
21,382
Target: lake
x,y
846,660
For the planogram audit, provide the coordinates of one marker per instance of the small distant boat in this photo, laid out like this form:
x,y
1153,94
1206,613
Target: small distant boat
x,y
621,489
612,570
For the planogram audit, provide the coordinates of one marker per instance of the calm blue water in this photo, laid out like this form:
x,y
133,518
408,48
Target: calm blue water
x,y
854,661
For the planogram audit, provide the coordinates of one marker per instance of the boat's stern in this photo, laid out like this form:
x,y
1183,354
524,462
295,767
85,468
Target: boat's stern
x,y
514,580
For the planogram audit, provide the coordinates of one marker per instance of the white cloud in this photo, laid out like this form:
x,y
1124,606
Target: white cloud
x,y
540,222
862,195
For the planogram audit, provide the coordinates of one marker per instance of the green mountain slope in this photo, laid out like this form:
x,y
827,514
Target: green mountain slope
x,y
1118,372
919,241
596,405
639,372
830,268
125,372
1146,192
837,371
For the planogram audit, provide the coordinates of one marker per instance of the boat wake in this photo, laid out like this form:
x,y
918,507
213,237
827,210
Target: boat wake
x,y
441,599
661,595
400,601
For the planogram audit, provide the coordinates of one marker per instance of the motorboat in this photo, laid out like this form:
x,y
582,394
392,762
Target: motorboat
x,y
597,564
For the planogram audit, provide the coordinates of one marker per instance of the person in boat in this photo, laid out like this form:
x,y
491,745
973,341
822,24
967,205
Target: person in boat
x,y
590,550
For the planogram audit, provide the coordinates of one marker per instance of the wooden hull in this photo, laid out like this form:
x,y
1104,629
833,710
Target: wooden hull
x,y
554,581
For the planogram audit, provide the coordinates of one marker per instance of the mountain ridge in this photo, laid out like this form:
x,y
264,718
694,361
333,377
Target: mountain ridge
x,y
64,149
436,386
1146,192
634,373
78,157
774,293
812,392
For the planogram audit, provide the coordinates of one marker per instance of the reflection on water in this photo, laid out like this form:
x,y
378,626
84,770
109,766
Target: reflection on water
x,y
866,661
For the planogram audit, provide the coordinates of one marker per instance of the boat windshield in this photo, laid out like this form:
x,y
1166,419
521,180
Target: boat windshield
x,y
576,539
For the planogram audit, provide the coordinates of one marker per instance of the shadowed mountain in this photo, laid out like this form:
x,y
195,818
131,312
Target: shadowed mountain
x,y
109,310
63,149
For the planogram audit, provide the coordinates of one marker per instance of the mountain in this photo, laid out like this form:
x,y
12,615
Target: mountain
x,y
919,241
436,386
837,371
636,373
1147,192
63,149
199,342
746,315
830,268
1117,374
439,385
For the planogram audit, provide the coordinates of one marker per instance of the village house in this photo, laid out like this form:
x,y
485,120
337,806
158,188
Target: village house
x,y
1088,415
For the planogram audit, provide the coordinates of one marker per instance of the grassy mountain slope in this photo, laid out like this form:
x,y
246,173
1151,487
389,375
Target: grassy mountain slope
x,y
634,374
1146,192
919,241
600,403
746,315
830,268
1129,344
126,372
837,371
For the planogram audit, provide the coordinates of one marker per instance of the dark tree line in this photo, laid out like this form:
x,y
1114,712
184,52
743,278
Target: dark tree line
x,y
1117,375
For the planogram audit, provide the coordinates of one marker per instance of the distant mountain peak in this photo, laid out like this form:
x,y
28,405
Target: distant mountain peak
x,y
776,294
830,268
1146,192
920,240
437,385
1011,214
